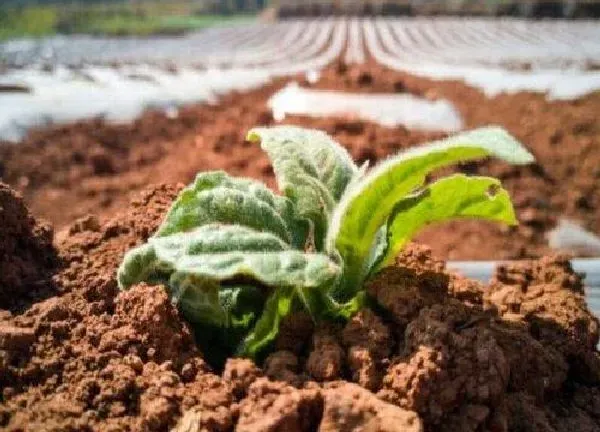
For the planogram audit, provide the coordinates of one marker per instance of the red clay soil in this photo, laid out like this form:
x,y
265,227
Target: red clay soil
x,y
65,172
436,352
27,256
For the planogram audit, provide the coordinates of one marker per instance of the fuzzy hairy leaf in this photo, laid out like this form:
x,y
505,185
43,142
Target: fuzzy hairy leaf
x,y
215,197
215,239
311,169
318,155
368,203
141,265
205,259
220,253
160,254
287,268
453,197
198,298
222,231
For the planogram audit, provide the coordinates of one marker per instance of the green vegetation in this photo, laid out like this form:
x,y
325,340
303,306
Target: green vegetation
x,y
34,21
115,19
237,258
126,25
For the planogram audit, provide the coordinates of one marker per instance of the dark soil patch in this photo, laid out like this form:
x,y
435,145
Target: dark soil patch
x,y
27,256
436,352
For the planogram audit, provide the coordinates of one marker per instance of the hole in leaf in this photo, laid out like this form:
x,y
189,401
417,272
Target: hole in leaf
x,y
492,191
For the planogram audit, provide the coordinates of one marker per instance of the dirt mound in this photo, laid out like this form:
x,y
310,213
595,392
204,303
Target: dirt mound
x,y
366,78
548,298
66,172
435,352
26,252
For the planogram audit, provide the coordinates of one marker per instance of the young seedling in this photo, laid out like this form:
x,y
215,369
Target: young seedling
x,y
237,258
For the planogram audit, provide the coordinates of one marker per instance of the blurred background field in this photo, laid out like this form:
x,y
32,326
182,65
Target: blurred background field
x,y
35,18
29,18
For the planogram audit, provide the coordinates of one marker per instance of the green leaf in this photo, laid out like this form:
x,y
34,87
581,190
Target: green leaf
x,y
319,156
215,239
198,298
453,197
274,269
159,256
277,307
280,304
205,302
351,307
330,309
202,259
242,305
222,252
368,203
311,169
215,197
140,264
